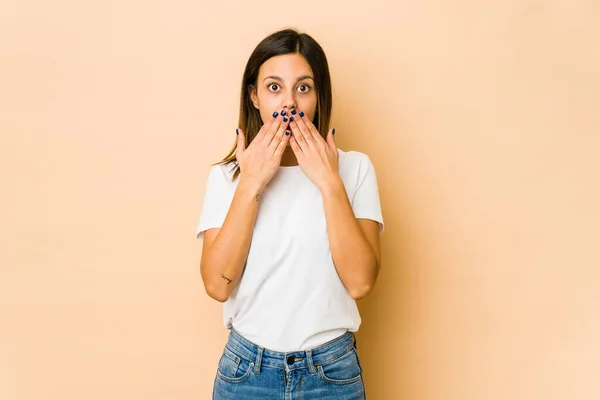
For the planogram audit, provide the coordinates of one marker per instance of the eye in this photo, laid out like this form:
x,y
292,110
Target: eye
x,y
273,87
303,88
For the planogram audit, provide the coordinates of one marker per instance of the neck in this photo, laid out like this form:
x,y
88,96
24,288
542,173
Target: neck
x,y
288,158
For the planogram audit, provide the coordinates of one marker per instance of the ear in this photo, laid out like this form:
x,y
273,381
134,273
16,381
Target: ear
x,y
253,96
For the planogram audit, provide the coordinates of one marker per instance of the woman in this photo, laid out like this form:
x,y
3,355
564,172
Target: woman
x,y
291,230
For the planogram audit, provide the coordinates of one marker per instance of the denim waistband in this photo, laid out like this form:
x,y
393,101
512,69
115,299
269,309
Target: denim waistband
x,y
310,359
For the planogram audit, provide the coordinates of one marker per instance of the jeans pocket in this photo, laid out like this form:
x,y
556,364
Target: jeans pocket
x,y
342,370
232,367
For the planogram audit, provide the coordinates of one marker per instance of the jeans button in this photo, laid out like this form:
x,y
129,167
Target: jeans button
x,y
290,360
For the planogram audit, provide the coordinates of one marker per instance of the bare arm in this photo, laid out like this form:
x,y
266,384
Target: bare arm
x,y
225,249
354,242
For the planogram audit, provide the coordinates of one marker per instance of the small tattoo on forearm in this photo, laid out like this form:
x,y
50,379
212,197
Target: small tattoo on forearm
x,y
226,278
257,198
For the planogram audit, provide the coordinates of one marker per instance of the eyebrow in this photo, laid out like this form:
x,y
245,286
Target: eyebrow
x,y
277,78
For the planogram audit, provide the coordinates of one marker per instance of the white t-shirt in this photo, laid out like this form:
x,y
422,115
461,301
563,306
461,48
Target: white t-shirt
x,y
290,296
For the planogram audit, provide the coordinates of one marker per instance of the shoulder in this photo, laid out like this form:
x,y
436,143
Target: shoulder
x,y
353,162
354,168
222,174
223,170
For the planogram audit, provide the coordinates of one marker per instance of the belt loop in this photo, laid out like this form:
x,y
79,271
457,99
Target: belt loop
x,y
258,361
309,361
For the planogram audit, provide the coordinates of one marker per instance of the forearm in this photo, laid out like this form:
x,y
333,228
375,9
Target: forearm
x,y
222,264
354,258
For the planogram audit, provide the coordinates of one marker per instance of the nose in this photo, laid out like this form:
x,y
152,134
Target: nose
x,y
289,101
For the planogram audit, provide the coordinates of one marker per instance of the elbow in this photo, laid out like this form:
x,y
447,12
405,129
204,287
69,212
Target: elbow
x,y
365,286
217,295
220,299
214,291
360,292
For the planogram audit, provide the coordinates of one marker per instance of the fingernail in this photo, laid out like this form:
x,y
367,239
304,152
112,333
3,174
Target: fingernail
x,y
301,114
237,132
333,131
287,133
285,119
283,112
291,119
294,112
275,114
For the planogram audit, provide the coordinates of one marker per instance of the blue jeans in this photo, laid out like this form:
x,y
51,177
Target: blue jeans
x,y
330,371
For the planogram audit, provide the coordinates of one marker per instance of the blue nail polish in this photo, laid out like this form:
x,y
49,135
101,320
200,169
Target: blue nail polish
x,y
283,112
287,133
275,114
291,119
301,114
333,131
294,112
285,119
236,131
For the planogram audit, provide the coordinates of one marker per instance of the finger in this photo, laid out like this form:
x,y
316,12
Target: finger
x,y
283,144
297,136
305,122
296,148
331,139
273,129
302,130
279,135
262,133
241,141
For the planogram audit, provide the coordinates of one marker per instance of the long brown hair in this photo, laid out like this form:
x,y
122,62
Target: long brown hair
x,y
287,41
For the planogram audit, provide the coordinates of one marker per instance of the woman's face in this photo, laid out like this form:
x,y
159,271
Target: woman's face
x,y
285,82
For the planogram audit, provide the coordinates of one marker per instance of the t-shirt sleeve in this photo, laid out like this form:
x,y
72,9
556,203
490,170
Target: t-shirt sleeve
x,y
217,199
365,202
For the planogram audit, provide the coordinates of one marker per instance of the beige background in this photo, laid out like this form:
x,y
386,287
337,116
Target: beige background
x,y
481,119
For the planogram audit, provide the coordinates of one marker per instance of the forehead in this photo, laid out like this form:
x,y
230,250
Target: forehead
x,y
286,66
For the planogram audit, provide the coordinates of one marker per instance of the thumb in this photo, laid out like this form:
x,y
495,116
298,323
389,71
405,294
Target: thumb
x,y
331,140
241,141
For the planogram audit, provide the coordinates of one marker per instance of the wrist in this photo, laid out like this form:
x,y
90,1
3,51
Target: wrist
x,y
333,186
249,188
